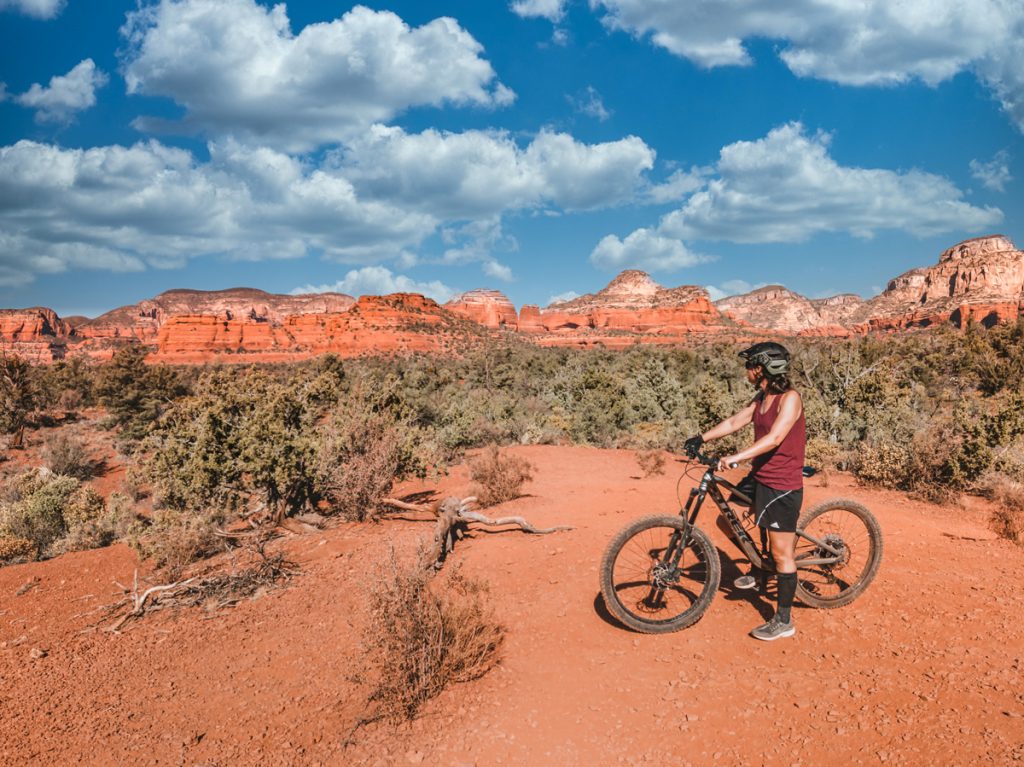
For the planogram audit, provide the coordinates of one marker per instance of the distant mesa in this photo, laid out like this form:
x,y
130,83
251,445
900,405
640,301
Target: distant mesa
x,y
980,280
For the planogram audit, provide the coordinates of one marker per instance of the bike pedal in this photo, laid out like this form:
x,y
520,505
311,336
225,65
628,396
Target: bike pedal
x,y
745,582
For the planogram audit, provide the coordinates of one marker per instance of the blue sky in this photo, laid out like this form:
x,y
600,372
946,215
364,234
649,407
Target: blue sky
x,y
537,147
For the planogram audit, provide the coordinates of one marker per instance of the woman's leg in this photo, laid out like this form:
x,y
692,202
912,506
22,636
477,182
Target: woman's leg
x,y
783,551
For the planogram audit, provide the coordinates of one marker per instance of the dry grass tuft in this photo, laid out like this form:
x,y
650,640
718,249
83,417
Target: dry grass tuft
x,y
651,462
1008,518
424,635
498,478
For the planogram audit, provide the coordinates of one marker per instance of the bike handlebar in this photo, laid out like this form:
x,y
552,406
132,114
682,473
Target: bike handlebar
x,y
708,460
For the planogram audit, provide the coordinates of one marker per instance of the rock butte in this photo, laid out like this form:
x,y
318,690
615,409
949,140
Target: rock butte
x,y
979,280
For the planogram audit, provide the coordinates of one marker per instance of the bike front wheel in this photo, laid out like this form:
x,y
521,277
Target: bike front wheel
x,y
848,527
652,586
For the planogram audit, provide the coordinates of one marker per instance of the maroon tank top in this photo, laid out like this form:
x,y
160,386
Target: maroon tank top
x,y
781,468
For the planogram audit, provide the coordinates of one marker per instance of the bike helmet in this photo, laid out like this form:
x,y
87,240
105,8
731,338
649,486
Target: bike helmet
x,y
773,357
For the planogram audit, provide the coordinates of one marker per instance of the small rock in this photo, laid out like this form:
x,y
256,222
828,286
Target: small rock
x,y
37,652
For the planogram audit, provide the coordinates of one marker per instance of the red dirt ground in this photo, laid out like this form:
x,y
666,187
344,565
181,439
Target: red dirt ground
x,y
926,667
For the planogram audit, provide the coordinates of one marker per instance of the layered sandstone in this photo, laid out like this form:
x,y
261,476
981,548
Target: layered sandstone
x,y
398,323
773,307
631,305
36,334
490,308
979,280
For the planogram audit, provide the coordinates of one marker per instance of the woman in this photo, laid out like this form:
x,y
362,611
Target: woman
x,y
777,456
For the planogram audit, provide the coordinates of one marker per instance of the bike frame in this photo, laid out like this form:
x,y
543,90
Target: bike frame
x,y
710,485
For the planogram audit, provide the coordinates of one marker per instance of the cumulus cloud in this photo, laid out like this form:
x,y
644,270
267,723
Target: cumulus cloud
x,y
589,103
477,174
994,174
237,68
66,94
121,208
853,42
786,188
553,10
375,201
40,9
498,271
731,288
643,249
677,186
569,295
379,281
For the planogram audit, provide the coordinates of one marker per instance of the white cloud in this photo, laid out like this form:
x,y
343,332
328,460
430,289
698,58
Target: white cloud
x,y
379,281
786,188
731,288
589,103
40,9
478,174
643,249
553,10
994,174
118,208
569,295
677,186
66,94
378,200
237,68
853,42
498,271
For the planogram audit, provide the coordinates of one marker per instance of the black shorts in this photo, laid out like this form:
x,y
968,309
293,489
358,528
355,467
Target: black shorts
x,y
777,510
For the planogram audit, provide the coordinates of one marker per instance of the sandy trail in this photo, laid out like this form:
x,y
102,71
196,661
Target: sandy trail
x,y
925,667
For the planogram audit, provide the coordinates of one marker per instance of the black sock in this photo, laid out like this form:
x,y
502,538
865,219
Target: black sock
x,y
787,591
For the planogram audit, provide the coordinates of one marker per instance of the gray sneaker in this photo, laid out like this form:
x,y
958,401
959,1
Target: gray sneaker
x,y
774,629
745,582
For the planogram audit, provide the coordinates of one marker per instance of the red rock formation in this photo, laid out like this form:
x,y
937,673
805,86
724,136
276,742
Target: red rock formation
x,y
490,308
979,280
36,334
632,304
398,323
773,307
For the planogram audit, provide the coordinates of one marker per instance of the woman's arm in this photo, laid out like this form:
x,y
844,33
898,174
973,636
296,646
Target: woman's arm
x,y
789,411
731,424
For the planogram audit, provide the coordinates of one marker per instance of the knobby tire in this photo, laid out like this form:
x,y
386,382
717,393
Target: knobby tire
x,y
828,587
628,580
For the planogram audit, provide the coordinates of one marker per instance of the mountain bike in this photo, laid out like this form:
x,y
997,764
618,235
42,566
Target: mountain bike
x,y
660,573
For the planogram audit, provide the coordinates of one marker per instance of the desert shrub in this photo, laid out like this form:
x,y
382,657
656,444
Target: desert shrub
x,y
14,551
423,636
363,453
69,455
116,520
83,505
173,540
651,462
66,384
18,394
38,513
135,394
1007,493
498,478
825,454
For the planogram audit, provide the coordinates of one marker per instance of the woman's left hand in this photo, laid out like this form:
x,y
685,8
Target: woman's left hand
x,y
727,462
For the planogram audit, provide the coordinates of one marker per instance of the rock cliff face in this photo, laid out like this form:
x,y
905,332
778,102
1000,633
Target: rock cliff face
x,y
398,323
490,308
979,280
36,334
772,307
633,308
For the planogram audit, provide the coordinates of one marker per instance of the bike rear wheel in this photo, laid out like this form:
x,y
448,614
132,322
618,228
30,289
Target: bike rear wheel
x,y
845,525
647,587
